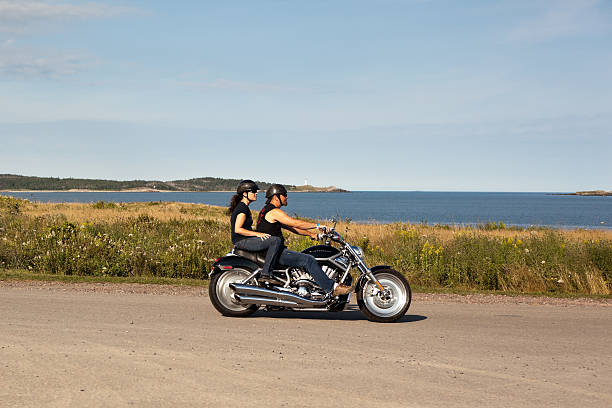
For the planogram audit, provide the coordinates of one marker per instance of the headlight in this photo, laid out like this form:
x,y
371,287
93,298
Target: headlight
x,y
358,251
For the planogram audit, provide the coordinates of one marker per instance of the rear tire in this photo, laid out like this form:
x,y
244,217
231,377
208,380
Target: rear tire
x,y
378,308
221,295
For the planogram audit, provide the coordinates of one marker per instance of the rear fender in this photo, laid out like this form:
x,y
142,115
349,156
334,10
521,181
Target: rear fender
x,y
231,262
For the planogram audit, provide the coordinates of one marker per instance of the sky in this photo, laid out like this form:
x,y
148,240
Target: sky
x,y
509,95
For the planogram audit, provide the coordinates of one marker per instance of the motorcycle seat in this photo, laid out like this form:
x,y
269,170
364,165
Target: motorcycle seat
x,y
259,257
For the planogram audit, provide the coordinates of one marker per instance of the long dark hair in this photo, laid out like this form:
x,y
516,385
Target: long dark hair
x,y
234,203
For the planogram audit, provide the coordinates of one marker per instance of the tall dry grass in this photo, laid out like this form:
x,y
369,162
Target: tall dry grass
x,y
181,241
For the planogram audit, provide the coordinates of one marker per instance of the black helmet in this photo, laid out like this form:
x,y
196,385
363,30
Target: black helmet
x,y
275,189
247,185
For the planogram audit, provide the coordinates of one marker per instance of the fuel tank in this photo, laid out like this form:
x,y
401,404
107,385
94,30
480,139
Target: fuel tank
x,y
321,251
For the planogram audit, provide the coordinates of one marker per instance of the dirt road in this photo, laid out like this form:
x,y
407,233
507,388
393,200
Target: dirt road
x,y
62,346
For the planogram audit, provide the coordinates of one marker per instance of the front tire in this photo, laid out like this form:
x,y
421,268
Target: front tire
x,y
388,308
222,296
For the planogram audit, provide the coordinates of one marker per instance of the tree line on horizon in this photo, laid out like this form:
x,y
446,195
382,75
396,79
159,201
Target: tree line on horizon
x,y
17,182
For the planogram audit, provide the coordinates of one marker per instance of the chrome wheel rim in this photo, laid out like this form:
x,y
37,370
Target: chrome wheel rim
x,y
225,294
389,302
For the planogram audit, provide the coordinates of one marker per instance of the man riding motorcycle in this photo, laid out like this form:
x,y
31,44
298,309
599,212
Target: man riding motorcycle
x,y
272,220
243,236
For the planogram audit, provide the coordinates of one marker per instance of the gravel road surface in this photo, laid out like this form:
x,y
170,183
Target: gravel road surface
x,y
101,345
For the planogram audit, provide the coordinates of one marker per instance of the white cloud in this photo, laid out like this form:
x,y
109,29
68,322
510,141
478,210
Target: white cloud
x,y
24,16
18,15
28,63
564,18
244,86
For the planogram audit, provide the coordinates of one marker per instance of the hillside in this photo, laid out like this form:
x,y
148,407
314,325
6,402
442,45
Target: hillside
x,y
16,182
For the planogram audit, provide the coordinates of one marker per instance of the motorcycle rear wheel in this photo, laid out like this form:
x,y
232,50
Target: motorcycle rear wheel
x,y
385,309
222,296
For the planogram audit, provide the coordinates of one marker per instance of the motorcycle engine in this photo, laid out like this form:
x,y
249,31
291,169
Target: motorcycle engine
x,y
305,285
329,271
303,282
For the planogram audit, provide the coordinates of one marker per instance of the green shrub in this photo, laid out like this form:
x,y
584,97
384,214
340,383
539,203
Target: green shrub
x,y
101,205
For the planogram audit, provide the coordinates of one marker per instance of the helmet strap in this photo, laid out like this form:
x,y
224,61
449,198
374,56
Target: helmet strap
x,y
247,196
280,201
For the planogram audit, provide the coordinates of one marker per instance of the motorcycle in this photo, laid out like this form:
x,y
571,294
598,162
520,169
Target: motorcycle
x,y
237,290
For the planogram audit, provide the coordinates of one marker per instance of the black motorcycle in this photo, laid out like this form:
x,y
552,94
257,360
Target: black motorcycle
x,y
236,288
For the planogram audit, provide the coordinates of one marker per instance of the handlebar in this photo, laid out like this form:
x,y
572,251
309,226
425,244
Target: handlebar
x,y
330,234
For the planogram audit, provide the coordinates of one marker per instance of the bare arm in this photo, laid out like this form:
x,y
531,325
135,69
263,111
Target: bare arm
x,y
290,223
240,219
300,231
278,215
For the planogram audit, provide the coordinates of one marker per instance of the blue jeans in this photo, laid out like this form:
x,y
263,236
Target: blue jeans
x,y
272,244
292,258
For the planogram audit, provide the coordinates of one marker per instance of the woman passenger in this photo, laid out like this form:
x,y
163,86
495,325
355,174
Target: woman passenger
x,y
243,236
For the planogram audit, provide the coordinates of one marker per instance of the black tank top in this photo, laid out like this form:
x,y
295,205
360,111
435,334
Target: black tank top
x,y
272,228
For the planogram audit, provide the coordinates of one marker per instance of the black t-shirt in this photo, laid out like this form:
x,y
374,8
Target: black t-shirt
x,y
241,208
272,228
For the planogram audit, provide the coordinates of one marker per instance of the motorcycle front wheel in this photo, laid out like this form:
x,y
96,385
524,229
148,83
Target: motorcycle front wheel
x,y
387,306
222,296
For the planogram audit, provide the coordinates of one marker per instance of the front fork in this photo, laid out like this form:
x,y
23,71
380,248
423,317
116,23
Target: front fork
x,y
371,277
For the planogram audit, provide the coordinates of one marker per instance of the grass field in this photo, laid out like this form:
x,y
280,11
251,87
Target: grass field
x,y
180,241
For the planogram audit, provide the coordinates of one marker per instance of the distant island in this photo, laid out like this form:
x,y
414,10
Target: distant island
x,y
599,193
594,193
13,182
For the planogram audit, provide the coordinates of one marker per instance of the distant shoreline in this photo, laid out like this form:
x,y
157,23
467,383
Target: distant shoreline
x,y
150,190
17,184
593,193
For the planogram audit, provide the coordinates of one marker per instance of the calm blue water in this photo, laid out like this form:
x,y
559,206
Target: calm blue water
x,y
522,209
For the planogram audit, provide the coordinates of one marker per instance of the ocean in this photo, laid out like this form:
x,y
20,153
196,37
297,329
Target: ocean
x,y
513,209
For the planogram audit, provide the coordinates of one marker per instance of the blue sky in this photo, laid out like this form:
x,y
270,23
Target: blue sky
x,y
368,95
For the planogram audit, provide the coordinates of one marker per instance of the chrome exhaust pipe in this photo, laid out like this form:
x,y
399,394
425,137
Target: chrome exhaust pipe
x,y
256,300
272,297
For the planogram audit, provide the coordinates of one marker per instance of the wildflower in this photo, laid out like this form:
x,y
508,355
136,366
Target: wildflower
x,y
543,262
526,250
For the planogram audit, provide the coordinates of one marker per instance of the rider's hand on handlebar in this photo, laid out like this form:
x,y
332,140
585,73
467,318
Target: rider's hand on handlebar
x,y
322,228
